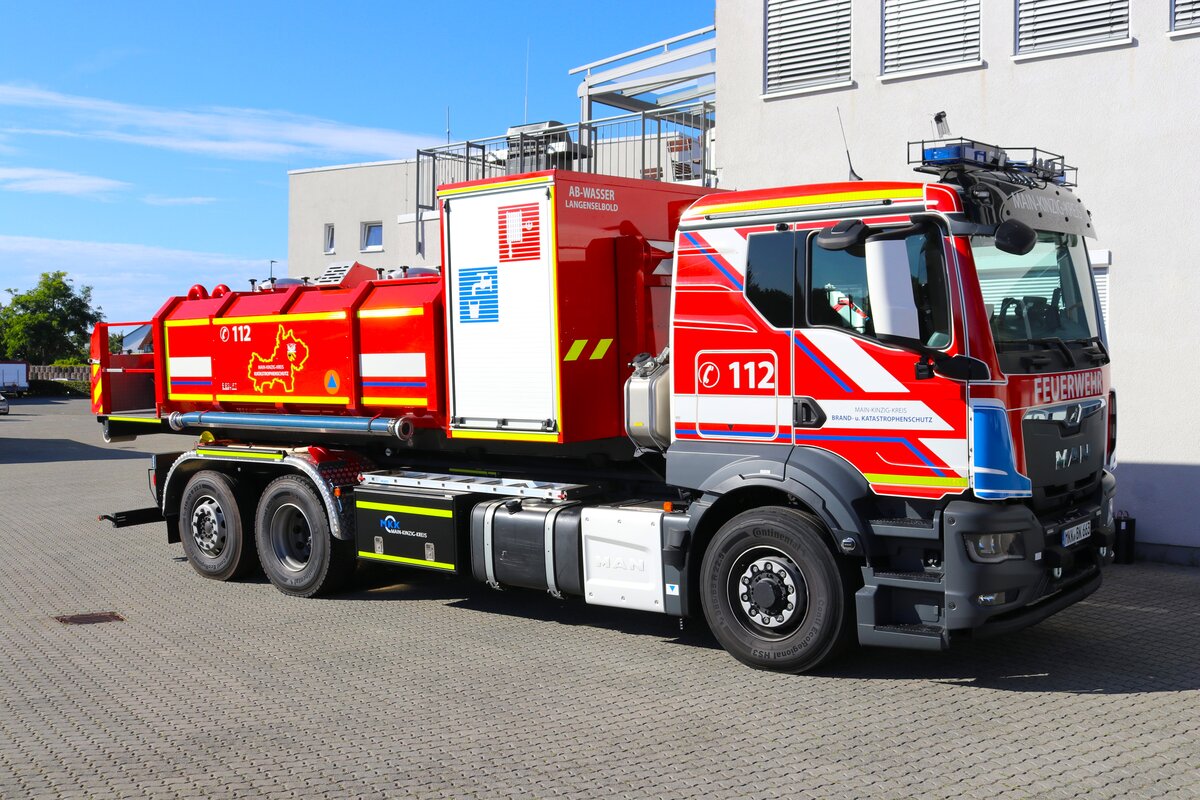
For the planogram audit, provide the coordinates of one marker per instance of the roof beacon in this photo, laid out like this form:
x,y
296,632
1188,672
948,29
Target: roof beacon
x,y
943,156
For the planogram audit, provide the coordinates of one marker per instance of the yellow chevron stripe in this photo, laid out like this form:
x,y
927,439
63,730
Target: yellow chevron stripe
x,y
601,348
187,323
576,349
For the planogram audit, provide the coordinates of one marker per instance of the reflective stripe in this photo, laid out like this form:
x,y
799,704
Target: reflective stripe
x,y
278,398
402,560
497,185
315,316
395,401
388,365
241,454
184,323
509,436
377,313
914,480
418,510
601,349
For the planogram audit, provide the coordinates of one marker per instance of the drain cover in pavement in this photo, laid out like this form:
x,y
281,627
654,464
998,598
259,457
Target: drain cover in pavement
x,y
90,619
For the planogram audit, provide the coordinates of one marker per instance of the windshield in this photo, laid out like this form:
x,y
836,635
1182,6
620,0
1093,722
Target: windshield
x,y
1041,298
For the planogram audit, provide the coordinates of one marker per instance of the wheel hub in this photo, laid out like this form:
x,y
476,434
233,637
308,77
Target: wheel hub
x,y
208,527
769,596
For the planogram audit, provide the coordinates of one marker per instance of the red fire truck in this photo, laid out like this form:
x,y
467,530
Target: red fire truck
x,y
868,410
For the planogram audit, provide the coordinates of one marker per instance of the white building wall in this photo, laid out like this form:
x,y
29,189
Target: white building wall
x,y
347,197
1125,115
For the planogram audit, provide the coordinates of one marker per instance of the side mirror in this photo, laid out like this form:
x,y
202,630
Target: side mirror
x,y
844,235
889,283
1015,237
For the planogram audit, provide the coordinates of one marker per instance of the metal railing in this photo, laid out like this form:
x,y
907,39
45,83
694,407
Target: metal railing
x,y
669,144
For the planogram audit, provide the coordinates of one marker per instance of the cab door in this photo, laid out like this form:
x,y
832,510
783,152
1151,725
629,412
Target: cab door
x,y
904,429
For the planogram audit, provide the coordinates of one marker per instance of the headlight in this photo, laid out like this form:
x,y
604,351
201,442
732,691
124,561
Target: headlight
x,y
992,548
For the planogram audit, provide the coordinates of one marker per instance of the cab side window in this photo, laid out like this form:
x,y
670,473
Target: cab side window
x,y
771,276
838,296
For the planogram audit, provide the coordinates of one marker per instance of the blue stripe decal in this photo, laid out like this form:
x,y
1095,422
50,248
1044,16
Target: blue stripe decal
x,y
820,363
184,382
714,261
419,384
890,439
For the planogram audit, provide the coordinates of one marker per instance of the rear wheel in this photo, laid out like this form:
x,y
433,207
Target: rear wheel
x,y
298,553
772,591
214,527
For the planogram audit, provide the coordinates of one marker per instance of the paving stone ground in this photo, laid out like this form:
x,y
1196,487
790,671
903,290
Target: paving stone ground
x,y
414,685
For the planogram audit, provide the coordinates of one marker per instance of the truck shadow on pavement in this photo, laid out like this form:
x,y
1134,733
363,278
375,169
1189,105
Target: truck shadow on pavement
x,y
49,451
1092,648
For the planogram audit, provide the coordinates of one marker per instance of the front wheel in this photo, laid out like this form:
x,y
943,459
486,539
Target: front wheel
x,y
772,591
299,554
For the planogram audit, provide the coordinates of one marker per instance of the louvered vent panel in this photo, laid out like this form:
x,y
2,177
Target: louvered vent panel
x,y
929,33
1051,24
808,43
1187,14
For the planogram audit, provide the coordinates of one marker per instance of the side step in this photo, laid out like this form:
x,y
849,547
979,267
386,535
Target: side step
x,y
138,516
510,487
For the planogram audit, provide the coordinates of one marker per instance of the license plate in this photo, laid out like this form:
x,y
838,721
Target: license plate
x,y
1076,533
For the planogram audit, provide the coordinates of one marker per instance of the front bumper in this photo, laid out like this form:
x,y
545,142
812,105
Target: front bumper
x,y
1048,579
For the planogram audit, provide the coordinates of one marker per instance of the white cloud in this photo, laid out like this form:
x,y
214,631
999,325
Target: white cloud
x,y
158,200
241,133
53,181
129,281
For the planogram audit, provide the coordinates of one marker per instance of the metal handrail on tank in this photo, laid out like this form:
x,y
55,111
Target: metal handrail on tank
x,y
673,144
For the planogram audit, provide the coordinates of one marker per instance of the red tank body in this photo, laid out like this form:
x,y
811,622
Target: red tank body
x,y
379,348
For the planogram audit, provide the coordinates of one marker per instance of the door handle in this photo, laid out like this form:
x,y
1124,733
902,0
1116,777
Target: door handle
x,y
806,413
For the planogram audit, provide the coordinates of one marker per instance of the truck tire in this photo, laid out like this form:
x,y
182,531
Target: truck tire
x,y
298,553
214,527
772,591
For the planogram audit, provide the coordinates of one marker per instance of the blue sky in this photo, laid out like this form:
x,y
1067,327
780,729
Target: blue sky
x,y
144,146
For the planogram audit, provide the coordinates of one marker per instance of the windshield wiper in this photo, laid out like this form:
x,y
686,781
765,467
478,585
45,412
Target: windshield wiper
x,y
1097,352
1051,341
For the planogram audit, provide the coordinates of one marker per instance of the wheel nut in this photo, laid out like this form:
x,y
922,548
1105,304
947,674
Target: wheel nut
x,y
745,581
767,566
745,597
790,606
779,618
754,569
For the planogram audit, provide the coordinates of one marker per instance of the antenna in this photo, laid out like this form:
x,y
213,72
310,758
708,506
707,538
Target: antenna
x,y
528,46
854,176
447,124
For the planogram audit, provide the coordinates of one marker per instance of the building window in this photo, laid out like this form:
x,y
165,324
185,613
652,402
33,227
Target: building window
x,y
1185,14
918,34
372,236
1055,24
329,241
808,43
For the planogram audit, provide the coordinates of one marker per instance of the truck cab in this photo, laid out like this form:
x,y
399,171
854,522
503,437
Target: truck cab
x,y
921,370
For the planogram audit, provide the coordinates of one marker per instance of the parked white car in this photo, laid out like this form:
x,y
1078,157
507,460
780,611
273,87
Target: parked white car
x,y
3,404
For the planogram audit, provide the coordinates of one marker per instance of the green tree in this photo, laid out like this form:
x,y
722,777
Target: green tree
x,y
51,321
